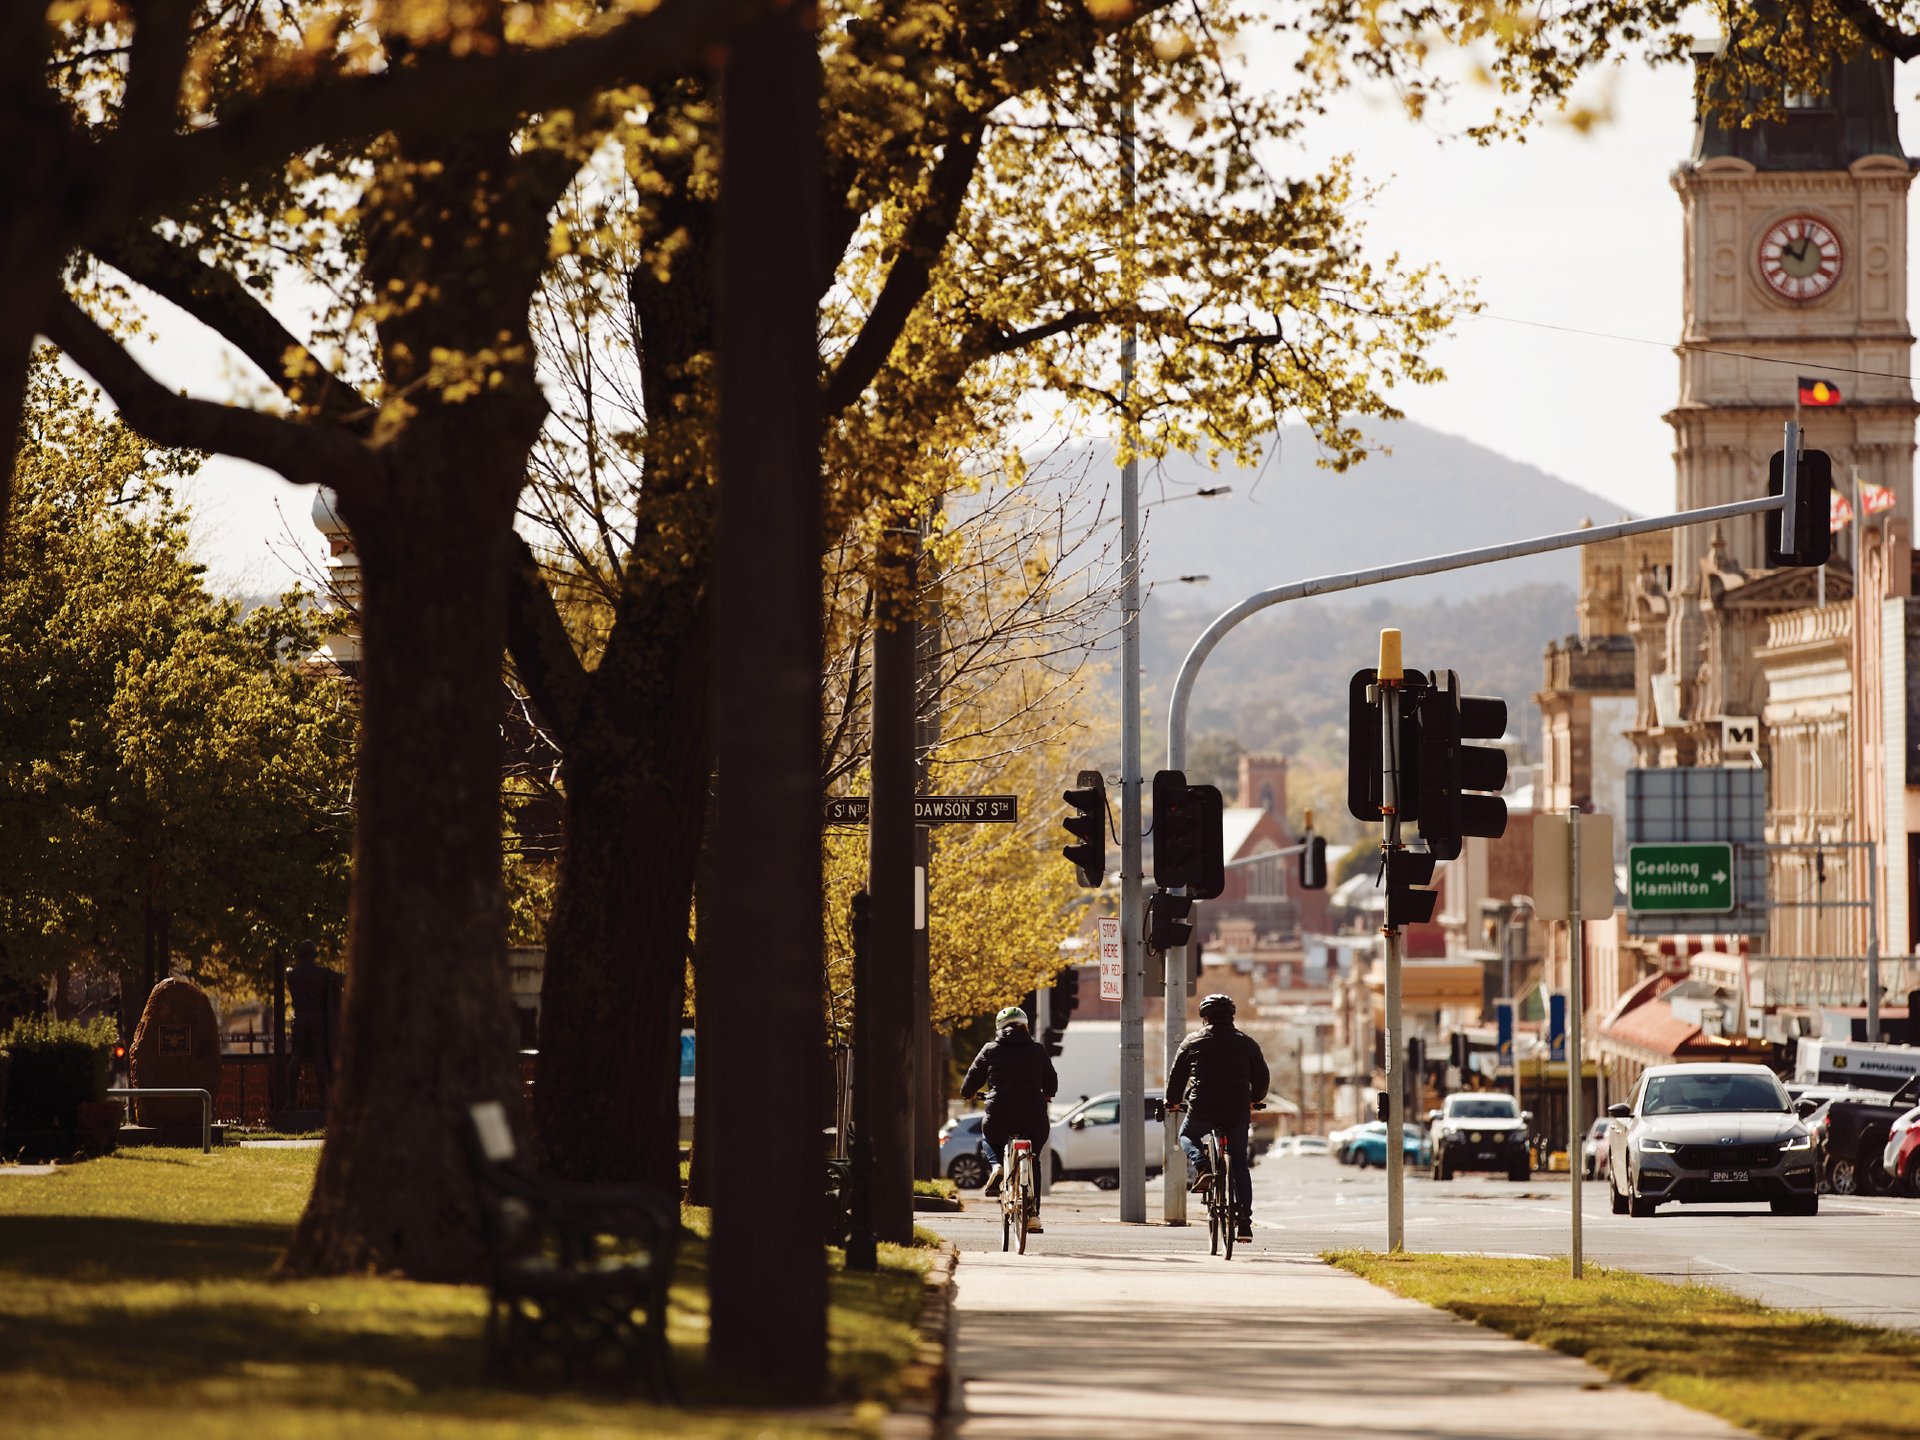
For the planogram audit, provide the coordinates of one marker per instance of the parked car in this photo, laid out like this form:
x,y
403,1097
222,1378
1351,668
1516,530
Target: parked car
x,y
1479,1130
961,1158
1709,1132
1901,1156
1085,1142
1340,1143
1593,1150
1311,1145
1369,1145
1850,1134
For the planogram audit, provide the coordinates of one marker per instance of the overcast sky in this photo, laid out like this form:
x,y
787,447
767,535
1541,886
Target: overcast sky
x,y
1574,242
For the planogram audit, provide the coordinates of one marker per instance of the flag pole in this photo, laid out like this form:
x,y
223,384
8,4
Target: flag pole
x,y
1859,508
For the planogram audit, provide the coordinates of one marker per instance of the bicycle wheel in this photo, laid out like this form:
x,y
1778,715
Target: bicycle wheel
x,y
1213,1191
1224,1197
1006,1209
1023,1192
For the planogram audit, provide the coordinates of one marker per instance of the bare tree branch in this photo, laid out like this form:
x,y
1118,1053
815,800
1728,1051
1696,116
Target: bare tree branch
x,y
1878,29
308,454
542,651
220,302
430,96
912,272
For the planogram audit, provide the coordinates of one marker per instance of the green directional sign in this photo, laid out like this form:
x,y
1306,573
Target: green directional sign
x,y
1680,878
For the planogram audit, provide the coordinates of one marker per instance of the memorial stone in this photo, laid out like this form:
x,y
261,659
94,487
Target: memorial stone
x,y
177,1046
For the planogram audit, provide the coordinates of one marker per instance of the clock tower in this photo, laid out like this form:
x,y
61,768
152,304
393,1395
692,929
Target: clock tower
x,y
1795,265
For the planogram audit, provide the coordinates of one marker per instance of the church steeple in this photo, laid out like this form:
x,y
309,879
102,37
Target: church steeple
x,y
1852,120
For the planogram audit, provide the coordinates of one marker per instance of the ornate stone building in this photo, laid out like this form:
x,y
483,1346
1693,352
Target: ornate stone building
x,y
1795,264
1692,652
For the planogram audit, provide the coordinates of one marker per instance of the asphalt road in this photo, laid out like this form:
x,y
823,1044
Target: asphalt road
x,y
1859,1258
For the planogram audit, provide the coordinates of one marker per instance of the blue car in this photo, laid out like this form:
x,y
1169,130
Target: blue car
x,y
1368,1145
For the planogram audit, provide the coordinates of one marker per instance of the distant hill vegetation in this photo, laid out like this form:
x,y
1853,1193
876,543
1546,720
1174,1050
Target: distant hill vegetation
x,y
1279,682
1421,493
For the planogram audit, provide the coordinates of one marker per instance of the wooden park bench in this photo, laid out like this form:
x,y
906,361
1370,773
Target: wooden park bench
x,y
579,1272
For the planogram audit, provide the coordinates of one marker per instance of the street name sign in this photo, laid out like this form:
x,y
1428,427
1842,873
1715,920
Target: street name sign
x,y
1680,878
930,809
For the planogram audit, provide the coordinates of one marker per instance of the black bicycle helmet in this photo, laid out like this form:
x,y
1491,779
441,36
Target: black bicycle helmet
x,y
1217,1004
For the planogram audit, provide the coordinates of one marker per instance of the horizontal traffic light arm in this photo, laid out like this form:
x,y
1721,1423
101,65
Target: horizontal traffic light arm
x,y
1182,693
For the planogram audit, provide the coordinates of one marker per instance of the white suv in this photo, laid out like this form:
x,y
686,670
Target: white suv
x,y
1480,1130
1085,1142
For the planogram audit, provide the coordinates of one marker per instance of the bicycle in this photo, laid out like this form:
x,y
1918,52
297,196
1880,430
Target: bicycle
x,y
1222,1223
1219,1195
1016,1195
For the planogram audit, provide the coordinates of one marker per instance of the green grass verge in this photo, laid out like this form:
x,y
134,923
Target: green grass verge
x,y
134,1301
1787,1373
939,1189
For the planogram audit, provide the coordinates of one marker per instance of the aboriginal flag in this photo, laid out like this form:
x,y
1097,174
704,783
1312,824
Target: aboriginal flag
x,y
1818,392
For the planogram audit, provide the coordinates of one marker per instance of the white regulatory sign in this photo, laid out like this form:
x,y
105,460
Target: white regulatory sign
x,y
1109,957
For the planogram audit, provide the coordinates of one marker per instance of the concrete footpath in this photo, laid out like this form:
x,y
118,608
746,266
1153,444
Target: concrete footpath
x,y
1135,1331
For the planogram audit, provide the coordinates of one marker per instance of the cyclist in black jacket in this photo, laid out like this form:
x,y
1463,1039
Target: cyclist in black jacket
x,y
1018,1075
1218,1076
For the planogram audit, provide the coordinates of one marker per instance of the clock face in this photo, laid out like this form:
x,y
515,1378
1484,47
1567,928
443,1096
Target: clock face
x,y
1800,257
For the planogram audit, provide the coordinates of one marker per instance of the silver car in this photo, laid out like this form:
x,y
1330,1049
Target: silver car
x,y
1707,1133
961,1158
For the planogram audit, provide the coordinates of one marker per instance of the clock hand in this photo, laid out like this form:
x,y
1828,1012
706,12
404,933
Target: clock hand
x,y
1798,250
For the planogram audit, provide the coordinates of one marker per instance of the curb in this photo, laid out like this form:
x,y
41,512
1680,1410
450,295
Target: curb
x,y
921,1412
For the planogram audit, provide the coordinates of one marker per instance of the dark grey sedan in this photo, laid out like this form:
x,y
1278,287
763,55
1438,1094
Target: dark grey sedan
x,y
1709,1133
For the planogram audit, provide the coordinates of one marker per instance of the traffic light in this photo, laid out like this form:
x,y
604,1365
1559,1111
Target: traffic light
x,y
1167,924
1363,746
1176,830
1410,901
1457,1053
1808,502
1088,825
1451,770
1061,1003
1209,874
1313,864
1381,1099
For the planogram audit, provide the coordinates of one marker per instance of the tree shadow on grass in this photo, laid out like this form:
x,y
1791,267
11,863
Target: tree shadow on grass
x,y
93,1248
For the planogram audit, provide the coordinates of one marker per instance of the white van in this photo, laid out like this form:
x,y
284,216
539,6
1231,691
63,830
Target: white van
x,y
1854,1062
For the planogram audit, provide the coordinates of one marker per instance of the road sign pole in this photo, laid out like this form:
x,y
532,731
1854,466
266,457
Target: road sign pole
x,y
1576,961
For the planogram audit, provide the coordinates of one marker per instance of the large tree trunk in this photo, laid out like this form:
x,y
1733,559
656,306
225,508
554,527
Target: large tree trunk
x,y
768,1196
428,1027
606,1105
638,750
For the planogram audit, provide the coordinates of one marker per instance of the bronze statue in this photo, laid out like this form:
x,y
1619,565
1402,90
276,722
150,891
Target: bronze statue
x,y
315,992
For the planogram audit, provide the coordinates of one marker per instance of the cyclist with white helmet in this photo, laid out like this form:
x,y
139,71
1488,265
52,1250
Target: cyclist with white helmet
x,y
1218,1075
1017,1074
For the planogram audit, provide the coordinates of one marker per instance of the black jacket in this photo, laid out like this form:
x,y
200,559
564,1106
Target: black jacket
x,y
1019,1075
1218,1074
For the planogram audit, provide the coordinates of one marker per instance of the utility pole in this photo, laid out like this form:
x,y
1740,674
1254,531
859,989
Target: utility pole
x,y
886,1067
929,1082
1133,1086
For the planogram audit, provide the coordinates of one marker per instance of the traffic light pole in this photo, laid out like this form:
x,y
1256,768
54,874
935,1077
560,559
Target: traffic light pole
x,y
1390,679
1260,600
1576,1061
